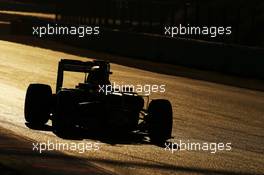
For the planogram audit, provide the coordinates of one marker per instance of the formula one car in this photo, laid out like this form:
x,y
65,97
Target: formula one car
x,y
88,107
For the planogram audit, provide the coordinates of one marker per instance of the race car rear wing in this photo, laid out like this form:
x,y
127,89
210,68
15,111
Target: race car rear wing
x,y
78,66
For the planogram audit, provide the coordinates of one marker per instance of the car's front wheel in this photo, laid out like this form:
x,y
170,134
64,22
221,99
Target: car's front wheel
x,y
160,120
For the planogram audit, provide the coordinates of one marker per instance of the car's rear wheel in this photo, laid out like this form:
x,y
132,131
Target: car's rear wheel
x,y
160,120
38,104
61,121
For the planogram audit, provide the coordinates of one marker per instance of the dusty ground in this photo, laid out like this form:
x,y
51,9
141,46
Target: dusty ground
x,y
14,148
203,112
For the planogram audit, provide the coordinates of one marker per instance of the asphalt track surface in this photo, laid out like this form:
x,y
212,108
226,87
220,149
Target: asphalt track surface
x,y
203,112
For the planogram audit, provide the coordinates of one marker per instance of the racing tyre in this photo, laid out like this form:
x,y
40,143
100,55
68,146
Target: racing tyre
x,y
38,104
64,111
160,120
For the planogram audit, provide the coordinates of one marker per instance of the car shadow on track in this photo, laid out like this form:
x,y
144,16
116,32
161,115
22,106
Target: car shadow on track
x,y
112,138
16,149
40,128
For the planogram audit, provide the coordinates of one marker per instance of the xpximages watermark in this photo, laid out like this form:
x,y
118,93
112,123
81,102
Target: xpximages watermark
x,y
79,31
212,31
146,89
72,146
197,146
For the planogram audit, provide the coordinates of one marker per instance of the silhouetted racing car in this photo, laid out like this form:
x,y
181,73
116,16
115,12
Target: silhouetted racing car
x,y
85,106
